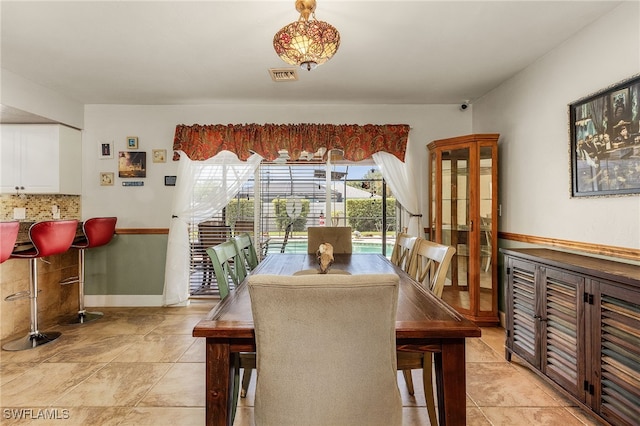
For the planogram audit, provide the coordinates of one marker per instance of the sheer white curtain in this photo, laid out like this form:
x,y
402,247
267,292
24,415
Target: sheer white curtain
x,y
203,188
403,186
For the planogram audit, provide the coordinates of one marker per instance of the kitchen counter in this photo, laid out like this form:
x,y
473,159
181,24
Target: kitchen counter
x,y
55,302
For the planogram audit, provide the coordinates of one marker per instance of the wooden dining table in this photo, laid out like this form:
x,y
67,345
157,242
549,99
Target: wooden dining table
x,y
424,323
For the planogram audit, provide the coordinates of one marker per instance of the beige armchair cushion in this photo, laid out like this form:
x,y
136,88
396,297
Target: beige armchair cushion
x,y
326,350
338,236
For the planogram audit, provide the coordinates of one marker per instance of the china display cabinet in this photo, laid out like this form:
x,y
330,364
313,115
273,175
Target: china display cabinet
x,y
463,185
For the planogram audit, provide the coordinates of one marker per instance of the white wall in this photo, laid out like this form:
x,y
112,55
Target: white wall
x,y
28,96
149,206
530,111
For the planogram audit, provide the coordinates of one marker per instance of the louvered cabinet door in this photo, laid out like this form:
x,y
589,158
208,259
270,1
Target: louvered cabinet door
x,y
523,326
616,365
562,329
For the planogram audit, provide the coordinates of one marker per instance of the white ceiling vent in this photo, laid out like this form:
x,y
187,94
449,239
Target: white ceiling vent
x,y
283,74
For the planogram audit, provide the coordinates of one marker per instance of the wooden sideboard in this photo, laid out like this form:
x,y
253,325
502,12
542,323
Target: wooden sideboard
x,y
576,321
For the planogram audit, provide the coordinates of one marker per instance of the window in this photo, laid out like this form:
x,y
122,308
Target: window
x,y
295,195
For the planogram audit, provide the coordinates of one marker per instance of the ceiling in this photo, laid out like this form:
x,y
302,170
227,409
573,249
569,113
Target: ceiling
x,y
204,52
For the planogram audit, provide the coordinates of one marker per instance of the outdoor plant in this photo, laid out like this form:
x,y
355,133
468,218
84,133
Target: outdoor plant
x,y
239,209
365,214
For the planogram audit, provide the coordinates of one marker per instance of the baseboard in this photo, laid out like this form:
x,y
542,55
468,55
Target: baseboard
x,y
122,300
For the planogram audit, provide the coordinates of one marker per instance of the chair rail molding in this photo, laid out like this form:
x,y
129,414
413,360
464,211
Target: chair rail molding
x,y
598,249
142,231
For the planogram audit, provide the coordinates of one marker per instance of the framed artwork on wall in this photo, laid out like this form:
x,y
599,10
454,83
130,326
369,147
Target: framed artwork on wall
x,y
159,155
604,133
106,179
132,142
106,150
132,164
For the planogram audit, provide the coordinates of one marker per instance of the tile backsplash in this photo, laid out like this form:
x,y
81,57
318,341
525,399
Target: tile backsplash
x,y
38,206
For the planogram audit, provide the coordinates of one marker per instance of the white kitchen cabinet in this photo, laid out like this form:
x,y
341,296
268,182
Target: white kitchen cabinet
x,y
40,159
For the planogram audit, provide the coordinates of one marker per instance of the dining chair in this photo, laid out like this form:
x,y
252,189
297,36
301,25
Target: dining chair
x,y
210,233
428,265
338,236
401,257
247,255
228,266
248,226
401,254
306,330
246,250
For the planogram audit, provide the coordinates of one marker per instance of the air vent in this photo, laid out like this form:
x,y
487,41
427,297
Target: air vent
x,y
283,74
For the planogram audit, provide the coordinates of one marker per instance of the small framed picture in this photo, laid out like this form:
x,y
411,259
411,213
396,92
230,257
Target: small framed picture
x,y
159,155
106,150
170,181
132,142
106,179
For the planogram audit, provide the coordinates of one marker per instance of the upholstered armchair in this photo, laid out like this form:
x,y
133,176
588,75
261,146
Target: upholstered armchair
x,y
326,350
338,236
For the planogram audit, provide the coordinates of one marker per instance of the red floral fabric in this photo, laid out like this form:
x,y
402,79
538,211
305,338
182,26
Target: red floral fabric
x,y
201,142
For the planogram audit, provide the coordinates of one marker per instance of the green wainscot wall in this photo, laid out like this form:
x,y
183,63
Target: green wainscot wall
x,y
129,264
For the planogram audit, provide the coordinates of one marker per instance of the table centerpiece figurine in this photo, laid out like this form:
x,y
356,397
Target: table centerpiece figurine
x,y
325,257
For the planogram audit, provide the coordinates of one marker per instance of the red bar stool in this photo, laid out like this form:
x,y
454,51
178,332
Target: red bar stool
x,y
8,236
48,238
98,231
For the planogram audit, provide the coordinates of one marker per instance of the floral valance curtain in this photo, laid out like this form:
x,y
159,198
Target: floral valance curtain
x,y
201,142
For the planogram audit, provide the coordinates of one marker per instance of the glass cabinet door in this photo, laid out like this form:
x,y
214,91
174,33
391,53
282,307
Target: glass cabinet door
x,y
486,302
455,222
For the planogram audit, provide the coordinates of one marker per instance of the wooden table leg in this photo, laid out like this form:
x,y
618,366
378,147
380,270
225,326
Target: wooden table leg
x,y
219,384
451,383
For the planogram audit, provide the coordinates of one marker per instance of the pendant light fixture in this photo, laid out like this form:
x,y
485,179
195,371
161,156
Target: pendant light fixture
x,y
306,42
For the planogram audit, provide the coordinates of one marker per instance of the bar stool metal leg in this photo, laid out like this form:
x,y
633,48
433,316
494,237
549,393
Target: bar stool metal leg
x,y
35,337
83,316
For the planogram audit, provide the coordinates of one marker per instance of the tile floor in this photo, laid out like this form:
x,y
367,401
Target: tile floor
x,y
140,366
